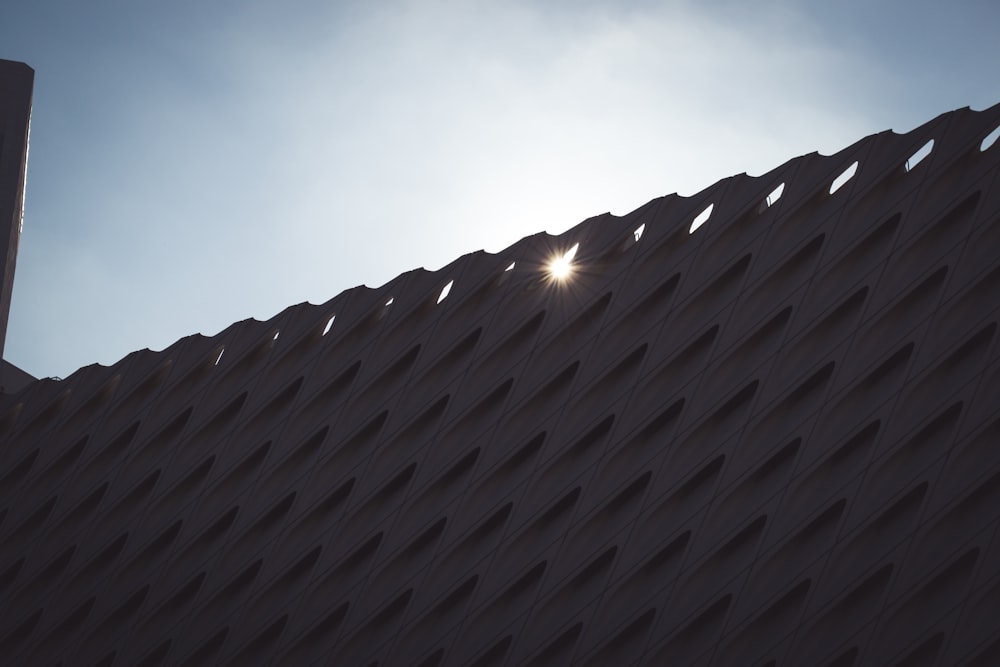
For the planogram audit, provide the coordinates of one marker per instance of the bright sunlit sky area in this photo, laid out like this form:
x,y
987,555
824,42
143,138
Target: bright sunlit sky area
x,y
195,163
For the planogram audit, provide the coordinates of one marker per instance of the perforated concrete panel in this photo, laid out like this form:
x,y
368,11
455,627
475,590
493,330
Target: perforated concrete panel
x,y
771,440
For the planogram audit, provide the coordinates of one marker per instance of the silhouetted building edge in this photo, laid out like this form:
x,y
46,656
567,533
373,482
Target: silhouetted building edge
x,y
16,81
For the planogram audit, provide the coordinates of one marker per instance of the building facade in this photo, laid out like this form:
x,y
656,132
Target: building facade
x,y
16,83
755,426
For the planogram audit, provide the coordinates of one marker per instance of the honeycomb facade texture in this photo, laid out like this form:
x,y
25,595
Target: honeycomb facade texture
x,y
772,440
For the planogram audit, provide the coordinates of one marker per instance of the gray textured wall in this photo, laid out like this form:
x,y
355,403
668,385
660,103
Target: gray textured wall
x,y
774,440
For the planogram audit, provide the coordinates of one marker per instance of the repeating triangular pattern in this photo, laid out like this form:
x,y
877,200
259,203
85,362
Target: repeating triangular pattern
x,y
772,439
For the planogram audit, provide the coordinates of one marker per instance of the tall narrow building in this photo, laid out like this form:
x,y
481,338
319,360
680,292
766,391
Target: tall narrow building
x,y
16,83
755,426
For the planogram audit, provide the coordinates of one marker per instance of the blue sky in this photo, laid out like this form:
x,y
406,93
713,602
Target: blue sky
x,y
197,163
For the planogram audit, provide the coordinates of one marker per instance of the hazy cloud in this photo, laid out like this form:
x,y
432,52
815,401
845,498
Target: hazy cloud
x,y
250,158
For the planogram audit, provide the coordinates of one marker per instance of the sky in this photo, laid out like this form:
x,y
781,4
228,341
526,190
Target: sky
x,y
196,163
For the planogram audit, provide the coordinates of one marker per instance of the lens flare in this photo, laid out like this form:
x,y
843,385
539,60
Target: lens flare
x,y
561,267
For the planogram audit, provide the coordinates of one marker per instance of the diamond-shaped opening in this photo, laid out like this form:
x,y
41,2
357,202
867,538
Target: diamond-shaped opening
x,y
921,153
845,176
329,324
701,218
445,290
990,139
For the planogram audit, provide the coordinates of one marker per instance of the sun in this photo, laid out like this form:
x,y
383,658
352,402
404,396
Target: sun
x,y
561,267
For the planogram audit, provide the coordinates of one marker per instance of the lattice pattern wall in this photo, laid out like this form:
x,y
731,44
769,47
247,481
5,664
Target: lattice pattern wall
x,y
772,440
